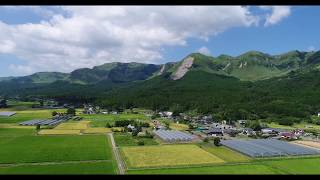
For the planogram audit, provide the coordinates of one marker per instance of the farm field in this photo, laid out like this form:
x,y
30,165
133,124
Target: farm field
x,y
276,166
72,168
26,115
53,148
15,132
309,143
297,166
123,139
100,120
179,127
167,155
58,132
226,154
78,125
223,169
97,130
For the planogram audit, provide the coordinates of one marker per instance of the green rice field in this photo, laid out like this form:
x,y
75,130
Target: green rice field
x,y
53,148
78,168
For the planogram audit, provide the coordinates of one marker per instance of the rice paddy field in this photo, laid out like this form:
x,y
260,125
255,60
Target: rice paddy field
x,y
167,155
53,149
82,147
107,167
279,166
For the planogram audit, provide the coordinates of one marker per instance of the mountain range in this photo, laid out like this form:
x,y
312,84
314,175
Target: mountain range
x,y
257,83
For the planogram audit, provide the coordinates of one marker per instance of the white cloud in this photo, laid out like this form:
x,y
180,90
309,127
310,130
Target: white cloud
x,y
278,13
87,36
311,48
204,50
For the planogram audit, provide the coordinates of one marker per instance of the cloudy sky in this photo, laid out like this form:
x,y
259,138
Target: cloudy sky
x,y
34,39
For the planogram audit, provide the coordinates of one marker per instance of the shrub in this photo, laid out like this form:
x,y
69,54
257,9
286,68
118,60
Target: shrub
x,y
216,141
206,140
140,143
71,111
108,125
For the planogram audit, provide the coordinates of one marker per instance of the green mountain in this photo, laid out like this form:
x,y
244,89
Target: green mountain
x,y
250,66
253,85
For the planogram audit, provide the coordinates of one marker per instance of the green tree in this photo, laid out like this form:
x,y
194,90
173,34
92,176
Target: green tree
x,y
54,113
71,111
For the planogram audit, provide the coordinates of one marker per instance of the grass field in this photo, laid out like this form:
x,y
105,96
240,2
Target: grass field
x,y
167,155
28,115
100,120
124,139
53,148
226,154
78,168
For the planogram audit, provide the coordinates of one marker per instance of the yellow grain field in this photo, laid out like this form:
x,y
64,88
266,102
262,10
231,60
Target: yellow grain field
x,y
97,130
58,132
168,155
81,125
179,127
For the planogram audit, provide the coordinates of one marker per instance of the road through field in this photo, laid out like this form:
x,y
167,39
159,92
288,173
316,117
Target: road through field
x,y
116,152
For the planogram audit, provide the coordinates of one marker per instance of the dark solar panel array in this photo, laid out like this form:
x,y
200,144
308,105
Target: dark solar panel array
x,y
268,148
168,135
47,122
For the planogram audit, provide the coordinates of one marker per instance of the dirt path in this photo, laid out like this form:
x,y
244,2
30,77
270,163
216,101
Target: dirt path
x,y
116,153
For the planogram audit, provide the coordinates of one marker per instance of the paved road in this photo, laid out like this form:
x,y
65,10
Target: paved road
x,y
116,153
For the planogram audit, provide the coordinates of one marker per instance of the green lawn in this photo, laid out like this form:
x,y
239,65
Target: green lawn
x,y
226,154
124,139
26,115
53,148
100,120
224,169
13,132
79,168
297,166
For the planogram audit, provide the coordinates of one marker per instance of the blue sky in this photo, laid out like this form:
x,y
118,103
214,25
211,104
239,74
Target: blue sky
x,y
62,39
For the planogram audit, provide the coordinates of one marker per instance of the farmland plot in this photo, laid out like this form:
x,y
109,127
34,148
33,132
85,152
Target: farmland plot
x,y
168,155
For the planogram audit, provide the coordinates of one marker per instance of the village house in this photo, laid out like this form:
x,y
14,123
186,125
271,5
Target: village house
x,y
287,135
166,114
88,109
214,132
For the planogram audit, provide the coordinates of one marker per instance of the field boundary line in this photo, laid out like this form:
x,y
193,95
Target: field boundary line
x,y
117,155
